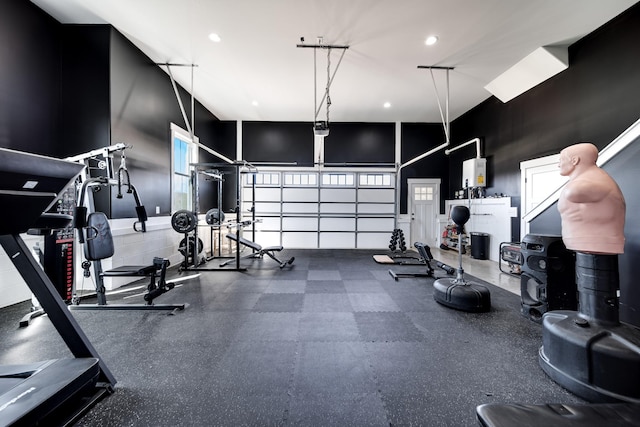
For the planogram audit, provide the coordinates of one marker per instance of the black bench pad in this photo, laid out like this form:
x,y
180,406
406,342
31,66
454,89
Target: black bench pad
x,y
131,270
253,245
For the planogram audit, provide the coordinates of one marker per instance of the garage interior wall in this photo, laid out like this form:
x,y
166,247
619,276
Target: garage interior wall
x,y
40,111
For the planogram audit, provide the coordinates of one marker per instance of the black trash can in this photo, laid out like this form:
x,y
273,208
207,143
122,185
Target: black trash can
x,y
480,245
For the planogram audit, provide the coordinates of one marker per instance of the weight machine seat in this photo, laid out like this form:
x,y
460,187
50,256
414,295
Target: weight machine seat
x,y
574,415
99,245
260,251
131,271
31,392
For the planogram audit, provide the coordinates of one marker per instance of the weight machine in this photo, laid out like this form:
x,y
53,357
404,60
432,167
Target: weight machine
x,y
186,221
94,233
60,244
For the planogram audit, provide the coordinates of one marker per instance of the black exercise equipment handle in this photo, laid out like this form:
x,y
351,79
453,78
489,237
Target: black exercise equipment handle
x,y
445,267
142,218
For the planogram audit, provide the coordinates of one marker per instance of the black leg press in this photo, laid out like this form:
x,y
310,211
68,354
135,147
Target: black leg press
x,y
259,251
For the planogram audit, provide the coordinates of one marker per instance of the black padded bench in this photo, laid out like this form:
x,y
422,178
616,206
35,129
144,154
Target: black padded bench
x,y
558,415
259,251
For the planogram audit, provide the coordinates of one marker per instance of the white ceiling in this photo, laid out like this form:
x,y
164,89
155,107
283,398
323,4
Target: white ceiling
x,y
257,59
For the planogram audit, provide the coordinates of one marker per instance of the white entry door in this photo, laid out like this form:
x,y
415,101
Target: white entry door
x,y
539,179
424,206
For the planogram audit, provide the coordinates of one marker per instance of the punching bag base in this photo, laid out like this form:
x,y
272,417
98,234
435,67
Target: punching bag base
x,y
598,362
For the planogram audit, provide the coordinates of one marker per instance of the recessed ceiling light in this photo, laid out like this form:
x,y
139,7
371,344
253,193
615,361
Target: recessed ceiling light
x,y
387,105
431,40
214,37
254,103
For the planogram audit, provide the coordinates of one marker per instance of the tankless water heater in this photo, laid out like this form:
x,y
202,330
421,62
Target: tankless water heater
x,y
474,173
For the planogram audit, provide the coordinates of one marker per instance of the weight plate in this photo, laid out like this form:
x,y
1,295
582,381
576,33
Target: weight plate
x,y
184,250
214,216
184,221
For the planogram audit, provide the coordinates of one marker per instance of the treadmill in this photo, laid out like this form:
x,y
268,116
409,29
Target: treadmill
x,y
59,391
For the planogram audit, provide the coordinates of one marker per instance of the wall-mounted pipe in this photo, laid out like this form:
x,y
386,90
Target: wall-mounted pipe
x,y
464,144
423,155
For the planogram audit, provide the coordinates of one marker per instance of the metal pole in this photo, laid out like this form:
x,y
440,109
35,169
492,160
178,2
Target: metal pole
x,y
175,90
193,114
315,89
196,209
237,167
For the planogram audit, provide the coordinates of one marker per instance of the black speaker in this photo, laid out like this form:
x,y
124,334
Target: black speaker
x,y
548,278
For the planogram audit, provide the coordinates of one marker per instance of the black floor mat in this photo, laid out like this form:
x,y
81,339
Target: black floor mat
x,y
332,341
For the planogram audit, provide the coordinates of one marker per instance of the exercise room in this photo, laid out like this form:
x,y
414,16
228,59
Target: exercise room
x,y
319,213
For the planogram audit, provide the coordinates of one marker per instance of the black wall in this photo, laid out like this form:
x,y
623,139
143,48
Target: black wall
x,y
84,89
142,107
418,138
360,143
29,78
224,137
292,142
69,89
594,100
289,142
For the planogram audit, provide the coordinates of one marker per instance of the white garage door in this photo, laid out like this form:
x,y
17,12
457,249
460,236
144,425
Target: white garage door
x,y
321,209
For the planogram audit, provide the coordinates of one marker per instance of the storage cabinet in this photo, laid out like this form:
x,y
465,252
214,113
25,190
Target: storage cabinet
x,y
489,215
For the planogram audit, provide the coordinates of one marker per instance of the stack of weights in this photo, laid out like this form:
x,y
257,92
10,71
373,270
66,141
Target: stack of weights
x,y
397,241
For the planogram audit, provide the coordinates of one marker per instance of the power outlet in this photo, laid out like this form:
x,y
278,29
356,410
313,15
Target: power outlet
x,y
157,210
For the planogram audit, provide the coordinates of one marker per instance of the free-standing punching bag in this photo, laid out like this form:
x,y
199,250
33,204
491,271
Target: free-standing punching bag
x,y
459,293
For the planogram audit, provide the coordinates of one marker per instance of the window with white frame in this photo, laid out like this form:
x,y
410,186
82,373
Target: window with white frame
x,y
263,178
184,151
300,178
423,192
338,179
376,179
